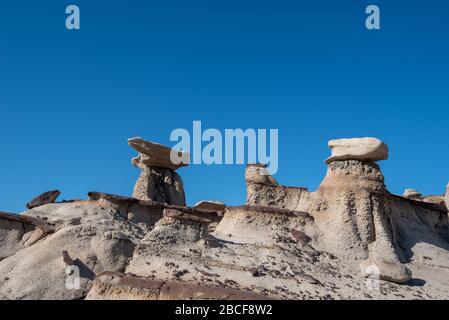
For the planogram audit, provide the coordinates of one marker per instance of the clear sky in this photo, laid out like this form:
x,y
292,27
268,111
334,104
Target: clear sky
x,y
70,99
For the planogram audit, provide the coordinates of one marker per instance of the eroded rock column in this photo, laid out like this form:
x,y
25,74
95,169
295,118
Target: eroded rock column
x,y
357,215
257,178
158,180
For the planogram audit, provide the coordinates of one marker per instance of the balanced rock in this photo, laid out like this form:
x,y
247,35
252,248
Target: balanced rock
x,y
158,180
44,198
156,155
363,149
210,206
412,194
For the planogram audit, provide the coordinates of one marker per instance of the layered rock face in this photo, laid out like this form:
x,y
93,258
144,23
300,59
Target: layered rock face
x,y
357,218
285,243
160,185
351,208
158,180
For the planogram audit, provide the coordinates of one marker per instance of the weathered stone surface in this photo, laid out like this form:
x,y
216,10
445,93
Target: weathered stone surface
x,y
13,230
113,286
287,243
364,149
210,206
158,180
412,194
435,199
44,198
385,269
155,155
446,198
160,185
257,173
94,235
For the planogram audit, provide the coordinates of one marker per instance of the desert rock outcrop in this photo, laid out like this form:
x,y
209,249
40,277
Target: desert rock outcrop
x,y
284,243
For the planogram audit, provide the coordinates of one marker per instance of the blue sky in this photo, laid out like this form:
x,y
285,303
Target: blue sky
x,y
70,99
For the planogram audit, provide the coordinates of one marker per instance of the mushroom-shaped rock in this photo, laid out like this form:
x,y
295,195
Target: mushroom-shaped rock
x,y
156,155
412,194
44,198
158,180
363,149
210,206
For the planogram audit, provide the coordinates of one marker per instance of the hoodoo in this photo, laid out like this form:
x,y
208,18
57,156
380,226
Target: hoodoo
x,y
158,180
283,243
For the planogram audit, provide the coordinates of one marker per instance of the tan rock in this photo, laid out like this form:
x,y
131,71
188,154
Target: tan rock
x,y
258,173
412,194
158,180
434,199
210,206
155,155
446,198
35,236
385,269
364,149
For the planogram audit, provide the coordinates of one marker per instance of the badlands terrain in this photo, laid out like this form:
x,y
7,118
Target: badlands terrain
x,y
349,239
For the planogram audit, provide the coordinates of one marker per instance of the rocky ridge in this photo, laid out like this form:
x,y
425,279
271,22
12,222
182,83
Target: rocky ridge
x,y
349,239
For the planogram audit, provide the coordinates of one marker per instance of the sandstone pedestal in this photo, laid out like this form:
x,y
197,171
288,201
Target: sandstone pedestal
x,y
355,193
158,180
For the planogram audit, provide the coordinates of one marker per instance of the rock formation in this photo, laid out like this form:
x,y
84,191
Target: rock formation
x,y
364,149
158,180
210,206
412,194
284,243
446,198
435,199
44,198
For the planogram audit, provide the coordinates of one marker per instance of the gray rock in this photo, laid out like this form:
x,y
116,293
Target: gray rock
x,y
160,185
385,269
